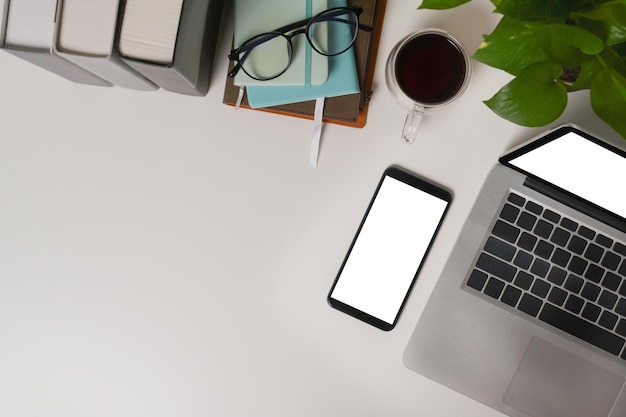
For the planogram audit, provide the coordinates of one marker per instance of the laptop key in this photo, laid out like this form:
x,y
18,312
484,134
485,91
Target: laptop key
x,y
496,267
544,249
540,268
477,280
516,199
543,229
586,232
582,329
591,312
526,221
594,252
494,287
561,257
524,280
574,304
509,213
611,281
527,241
540,288
551,216
607,300
620,308
619,248
594,273
506,231
590,291
605,241
560,237
557,296
500,248
530,304
523,259
608,320
622,289
511,295
557,275
577,245
534,207
574,283
578,265
569,224
621,327
611,261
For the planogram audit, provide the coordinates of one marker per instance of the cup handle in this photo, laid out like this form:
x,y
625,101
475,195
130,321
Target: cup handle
x,y
412,125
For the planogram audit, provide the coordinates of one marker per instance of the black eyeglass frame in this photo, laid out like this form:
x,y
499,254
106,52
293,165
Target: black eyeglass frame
x,y
236,54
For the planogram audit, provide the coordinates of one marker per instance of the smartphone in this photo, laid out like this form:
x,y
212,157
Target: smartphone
x,y
389,248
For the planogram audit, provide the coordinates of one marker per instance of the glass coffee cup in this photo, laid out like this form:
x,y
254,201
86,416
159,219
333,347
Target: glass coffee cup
x,y
426,70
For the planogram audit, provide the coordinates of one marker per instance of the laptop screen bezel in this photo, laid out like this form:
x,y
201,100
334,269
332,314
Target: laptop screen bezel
x,y
549,137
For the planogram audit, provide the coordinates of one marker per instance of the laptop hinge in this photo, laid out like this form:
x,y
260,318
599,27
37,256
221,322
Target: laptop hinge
x,y
576,204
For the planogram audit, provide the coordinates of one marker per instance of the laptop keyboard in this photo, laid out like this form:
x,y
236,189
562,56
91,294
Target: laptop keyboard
x,y
557,270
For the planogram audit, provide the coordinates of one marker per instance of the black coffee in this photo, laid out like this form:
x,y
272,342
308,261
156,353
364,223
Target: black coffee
x,y
430,69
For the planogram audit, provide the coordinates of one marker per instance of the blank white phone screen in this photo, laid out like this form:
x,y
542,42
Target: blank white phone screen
x,y
389,249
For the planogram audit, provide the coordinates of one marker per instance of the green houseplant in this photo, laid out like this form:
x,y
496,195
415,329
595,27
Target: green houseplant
x,y
553,47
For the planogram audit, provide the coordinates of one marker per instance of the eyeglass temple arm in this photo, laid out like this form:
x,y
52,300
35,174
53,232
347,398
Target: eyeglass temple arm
x,y
236,54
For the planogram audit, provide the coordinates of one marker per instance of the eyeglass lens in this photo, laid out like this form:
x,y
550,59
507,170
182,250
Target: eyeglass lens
x,y
268,55
329,33
333,32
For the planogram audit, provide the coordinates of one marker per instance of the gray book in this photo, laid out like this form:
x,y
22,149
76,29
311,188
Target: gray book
x,y
87,33
28,31
171,42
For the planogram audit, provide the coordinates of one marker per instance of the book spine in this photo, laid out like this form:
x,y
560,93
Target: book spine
x,y
57,65
193,56
39,50
108,67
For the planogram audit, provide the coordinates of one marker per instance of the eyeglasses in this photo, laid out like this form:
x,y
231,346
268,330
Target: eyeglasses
x,y
268,55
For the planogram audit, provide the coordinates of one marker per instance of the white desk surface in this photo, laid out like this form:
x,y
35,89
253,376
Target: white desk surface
x,y
166,255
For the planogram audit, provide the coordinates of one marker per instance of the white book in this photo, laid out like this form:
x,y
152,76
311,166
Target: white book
x,y
87,34
171,42
29,32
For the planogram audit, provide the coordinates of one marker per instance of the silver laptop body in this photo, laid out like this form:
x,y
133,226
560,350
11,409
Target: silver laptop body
x,y
528,337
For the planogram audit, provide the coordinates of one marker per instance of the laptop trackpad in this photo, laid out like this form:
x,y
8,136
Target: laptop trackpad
x,y
551,382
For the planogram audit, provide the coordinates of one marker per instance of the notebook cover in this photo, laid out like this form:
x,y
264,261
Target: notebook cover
x,y
253,17
342,79
349,110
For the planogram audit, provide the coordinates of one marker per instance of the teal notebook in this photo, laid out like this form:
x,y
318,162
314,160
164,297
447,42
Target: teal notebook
x,y
253,17
342,80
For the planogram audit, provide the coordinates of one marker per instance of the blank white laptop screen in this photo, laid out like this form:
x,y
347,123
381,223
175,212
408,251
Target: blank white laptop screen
x,y
581,167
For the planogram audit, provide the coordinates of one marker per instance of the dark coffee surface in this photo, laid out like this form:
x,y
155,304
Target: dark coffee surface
x,y
430,69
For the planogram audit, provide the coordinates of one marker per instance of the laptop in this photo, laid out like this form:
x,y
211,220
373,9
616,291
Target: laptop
x,y
529,314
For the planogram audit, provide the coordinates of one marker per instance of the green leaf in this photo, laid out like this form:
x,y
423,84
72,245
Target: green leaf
x,y
612,14
511,47
535,98
441,4
565,44
608,99
535,10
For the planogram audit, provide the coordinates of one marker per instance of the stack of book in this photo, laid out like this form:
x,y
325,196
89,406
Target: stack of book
x,y
136,44
333,89
344,81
